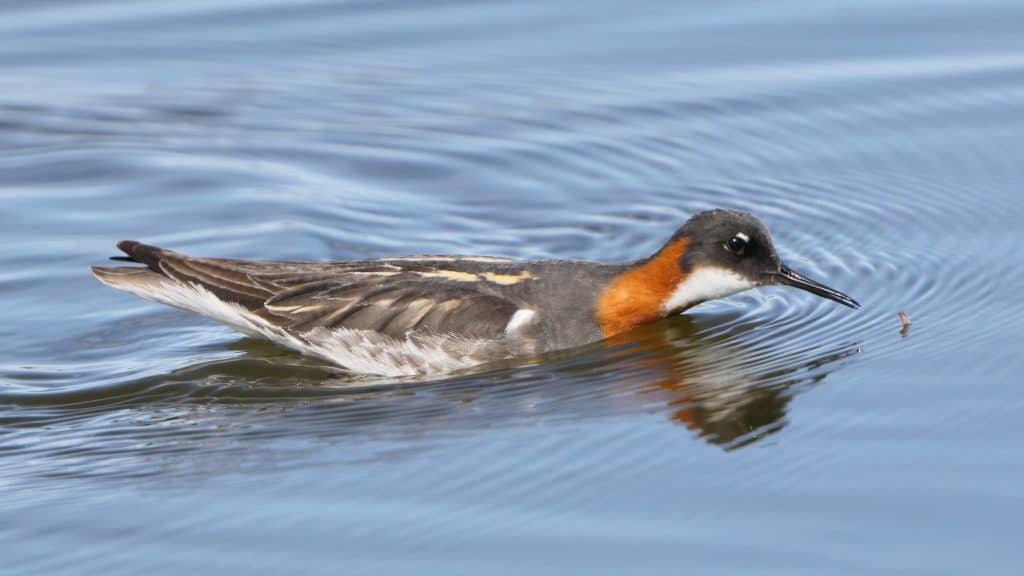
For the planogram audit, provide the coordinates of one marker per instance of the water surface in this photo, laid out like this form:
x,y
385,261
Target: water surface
x,y
771,433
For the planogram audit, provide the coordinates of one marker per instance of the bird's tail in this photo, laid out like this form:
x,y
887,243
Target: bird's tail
x,y
131,278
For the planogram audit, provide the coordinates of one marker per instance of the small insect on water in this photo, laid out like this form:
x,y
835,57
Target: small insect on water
x,y
905,320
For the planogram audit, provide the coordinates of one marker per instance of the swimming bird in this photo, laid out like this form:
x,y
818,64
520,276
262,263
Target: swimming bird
x,y
435,314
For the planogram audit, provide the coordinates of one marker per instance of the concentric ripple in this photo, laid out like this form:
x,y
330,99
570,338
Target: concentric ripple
x,y
881,145
607,174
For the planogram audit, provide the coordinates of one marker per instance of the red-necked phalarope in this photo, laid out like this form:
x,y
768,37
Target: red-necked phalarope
x,y
435,314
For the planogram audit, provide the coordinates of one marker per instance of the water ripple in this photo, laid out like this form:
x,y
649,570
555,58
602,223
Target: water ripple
x,y
889,173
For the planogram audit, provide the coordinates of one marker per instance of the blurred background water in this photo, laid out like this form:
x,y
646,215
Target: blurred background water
x,y
772,433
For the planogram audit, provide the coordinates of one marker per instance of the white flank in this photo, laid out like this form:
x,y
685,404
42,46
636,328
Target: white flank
x,y
363,351
703,284
369,352
521,318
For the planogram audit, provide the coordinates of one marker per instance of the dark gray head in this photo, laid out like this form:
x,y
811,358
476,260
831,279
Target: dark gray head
x,y
727,251
734,241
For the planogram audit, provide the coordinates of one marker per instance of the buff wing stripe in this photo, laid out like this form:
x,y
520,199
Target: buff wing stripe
x,y
391,297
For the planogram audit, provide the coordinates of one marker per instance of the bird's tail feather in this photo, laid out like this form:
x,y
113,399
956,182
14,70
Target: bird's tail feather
x,y
140,253
127,278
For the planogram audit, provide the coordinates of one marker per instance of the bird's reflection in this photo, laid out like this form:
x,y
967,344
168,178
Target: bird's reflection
x,y
730,393
728,387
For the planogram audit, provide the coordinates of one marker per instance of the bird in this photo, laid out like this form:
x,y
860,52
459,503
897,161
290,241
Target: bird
x,y
429,315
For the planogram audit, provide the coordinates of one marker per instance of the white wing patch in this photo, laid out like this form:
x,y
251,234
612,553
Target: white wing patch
x,y
519,320
363,351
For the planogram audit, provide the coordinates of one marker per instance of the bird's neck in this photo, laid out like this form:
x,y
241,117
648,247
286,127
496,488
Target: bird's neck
x,y
643,292
657,287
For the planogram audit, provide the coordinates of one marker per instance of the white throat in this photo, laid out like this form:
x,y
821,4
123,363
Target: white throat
x,y
703,284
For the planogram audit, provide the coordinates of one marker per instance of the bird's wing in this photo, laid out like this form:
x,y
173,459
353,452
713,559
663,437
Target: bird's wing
x,y
392,297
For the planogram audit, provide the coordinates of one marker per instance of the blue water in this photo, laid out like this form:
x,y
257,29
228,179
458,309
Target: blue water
x,y
770,433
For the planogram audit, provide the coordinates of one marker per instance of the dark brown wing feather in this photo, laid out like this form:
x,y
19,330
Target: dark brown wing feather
x,y
392,297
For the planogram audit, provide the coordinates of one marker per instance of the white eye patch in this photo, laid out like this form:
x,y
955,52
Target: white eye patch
x,y
743,236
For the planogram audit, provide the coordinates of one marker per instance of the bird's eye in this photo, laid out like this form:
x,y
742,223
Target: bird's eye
x,y
738,243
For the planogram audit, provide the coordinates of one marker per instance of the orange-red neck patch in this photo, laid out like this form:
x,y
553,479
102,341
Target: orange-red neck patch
x,y
636,297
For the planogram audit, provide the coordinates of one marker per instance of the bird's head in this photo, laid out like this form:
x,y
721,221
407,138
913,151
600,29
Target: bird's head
x,y
715,254
727,252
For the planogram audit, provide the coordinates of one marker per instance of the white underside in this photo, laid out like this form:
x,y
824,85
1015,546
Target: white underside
x,y
703,284
363,351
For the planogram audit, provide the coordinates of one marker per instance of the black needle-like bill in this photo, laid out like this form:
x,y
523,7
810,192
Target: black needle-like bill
x,y
786,276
